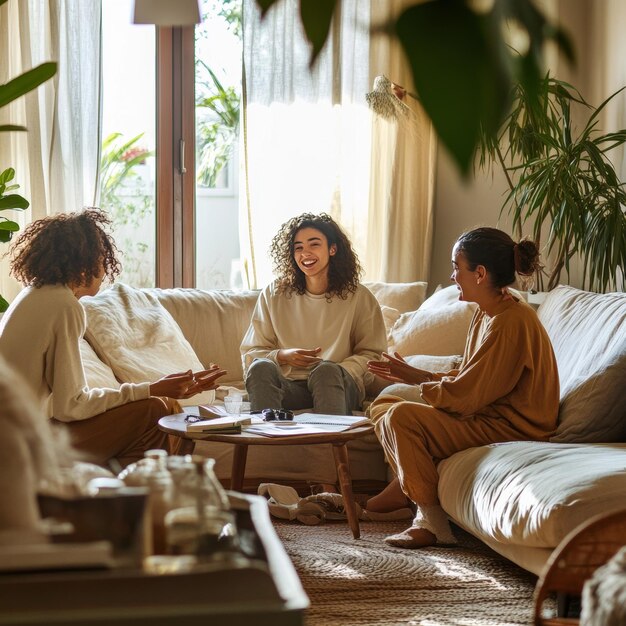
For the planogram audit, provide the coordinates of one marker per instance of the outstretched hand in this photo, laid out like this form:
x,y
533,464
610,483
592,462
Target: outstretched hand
x,y
396,370
183,385
298,357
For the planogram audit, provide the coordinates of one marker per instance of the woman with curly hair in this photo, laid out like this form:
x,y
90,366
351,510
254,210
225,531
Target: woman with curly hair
x,y
506,388
60,259
315,327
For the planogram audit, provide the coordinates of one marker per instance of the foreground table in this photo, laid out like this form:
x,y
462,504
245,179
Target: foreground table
x,y
261,587
176,425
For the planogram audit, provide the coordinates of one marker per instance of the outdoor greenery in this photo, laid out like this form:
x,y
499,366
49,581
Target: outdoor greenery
x,y
10,91
217,132
217,106
563,181
123,195
462,59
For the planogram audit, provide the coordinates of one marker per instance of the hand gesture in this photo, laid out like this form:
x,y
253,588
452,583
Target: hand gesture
x,y
183,385
396,370
298,357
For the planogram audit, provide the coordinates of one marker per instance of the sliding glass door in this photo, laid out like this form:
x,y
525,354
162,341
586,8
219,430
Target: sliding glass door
x,y
169,167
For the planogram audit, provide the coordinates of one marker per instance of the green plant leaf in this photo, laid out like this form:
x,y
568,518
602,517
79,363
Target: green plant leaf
x,y
7,176
13,201
9,225
5,128
4,305
459,73
26,82
317,16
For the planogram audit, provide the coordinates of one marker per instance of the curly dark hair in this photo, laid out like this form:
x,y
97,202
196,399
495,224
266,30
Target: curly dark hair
x,y
66,248
499,254
344,269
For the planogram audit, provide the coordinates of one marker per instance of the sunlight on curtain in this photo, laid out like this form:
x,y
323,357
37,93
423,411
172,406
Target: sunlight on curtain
x,y
311,144
56,161
306,133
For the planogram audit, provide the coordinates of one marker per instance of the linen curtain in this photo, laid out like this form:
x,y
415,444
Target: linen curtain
x,y
308,143
56,161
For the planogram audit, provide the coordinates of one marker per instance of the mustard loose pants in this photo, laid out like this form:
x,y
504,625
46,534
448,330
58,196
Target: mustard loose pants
x,y
123,433
416,437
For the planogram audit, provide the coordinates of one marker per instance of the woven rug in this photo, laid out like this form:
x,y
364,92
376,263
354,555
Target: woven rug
x,y
365,581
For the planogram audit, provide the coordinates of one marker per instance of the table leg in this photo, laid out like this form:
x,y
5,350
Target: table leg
x,y
342,464
183,446
240,454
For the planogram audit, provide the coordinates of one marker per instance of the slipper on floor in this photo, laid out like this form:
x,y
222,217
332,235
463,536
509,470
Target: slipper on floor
x,y
388,516
282,501
332,504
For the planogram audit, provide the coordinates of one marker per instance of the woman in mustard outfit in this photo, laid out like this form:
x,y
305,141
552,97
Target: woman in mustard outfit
x,y
506,389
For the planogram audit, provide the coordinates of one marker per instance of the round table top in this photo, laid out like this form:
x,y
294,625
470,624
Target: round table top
x,y
176,425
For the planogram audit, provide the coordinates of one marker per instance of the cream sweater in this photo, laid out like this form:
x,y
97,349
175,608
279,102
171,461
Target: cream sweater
x,y
350,332
40,338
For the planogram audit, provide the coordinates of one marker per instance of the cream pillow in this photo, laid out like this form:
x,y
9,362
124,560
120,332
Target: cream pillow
x,y
98,374
390,317
135,335
439,327
400,296
588,334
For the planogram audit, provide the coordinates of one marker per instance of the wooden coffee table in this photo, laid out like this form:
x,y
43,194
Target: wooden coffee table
x,y
176,425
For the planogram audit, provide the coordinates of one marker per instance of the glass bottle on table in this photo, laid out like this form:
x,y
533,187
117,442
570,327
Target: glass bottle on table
x,y
201,523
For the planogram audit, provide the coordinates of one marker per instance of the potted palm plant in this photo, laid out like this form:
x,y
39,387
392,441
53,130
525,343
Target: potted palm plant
x,y
563,182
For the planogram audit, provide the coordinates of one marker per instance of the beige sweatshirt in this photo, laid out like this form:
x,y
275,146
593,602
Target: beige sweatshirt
x,y
508,371
39,338
350,332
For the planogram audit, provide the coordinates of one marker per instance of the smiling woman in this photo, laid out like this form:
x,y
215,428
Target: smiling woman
x,y
314,329
506,388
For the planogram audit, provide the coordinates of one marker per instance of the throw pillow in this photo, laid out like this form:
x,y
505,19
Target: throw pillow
x,y
588,334
98,374
136,336
400,296
439,327
390,317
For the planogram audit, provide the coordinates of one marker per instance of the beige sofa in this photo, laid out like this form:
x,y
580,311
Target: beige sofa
x,y
520,498
137,335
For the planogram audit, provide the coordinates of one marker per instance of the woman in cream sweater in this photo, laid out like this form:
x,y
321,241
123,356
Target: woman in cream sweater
x,y
315,327
60,259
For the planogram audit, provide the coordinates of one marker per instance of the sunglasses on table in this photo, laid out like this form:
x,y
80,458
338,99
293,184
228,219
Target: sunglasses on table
x,y
275,415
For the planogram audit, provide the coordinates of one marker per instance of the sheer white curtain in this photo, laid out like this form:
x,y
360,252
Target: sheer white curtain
x,y
306,133
56,161
402,180
308,142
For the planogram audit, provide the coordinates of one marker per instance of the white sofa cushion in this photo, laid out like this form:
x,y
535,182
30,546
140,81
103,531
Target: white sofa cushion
x,y
588,333
402,297
97,373
532,493
214,322
439,327
137,338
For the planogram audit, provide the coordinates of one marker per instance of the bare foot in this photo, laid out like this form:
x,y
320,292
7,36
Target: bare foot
x,y
412,538
391,498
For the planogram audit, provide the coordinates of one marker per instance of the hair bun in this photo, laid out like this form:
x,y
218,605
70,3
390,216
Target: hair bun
x,y
526,256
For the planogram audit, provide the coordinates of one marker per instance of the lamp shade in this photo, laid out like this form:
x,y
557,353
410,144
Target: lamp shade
x,y
166,12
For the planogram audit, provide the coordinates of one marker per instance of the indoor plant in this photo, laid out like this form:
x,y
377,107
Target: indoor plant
x,y
562,181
